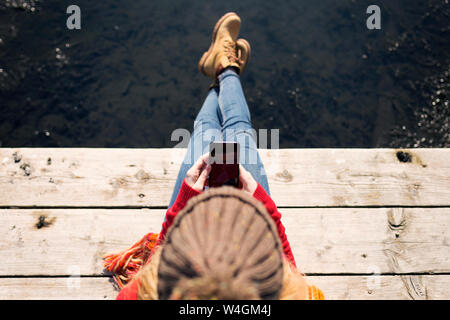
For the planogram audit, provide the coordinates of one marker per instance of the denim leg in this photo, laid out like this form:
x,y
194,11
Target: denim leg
x,y
207,128
237,126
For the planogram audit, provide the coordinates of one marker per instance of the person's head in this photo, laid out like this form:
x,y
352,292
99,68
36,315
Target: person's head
x,y
222,245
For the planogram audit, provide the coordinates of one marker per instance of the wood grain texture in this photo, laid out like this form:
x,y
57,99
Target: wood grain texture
x,y
334,287
71,288
383,287
324,241
297,177
75,239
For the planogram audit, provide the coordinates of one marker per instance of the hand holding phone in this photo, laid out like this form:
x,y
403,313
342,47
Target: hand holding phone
x,y
246,181
197,175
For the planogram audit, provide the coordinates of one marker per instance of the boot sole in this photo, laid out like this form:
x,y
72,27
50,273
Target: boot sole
x,y
245,43
206,55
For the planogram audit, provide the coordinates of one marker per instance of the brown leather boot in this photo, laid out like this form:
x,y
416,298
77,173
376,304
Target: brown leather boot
x,y
243,53
222,53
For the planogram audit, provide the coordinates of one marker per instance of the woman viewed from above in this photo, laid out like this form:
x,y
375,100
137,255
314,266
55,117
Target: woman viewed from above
x,y
222,243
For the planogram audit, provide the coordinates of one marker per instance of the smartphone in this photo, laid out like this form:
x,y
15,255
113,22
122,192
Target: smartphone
x,y
224,159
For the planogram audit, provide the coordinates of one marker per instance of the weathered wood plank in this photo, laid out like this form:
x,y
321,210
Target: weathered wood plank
x,y
74,241
57,289
379,240
334,287
298,177
324,241
383,287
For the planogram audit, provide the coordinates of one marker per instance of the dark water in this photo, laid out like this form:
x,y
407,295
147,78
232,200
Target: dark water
x,y
129,77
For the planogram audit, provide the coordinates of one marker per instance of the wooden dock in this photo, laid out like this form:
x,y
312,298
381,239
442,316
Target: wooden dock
x,y
363,223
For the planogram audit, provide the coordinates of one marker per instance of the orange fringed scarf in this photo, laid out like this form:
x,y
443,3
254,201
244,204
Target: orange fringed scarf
x,y
124,265
315,293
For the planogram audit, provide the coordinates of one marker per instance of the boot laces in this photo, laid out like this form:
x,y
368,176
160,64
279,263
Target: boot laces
x,y
233,52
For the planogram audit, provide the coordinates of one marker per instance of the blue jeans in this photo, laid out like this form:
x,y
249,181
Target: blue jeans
x,y
224,116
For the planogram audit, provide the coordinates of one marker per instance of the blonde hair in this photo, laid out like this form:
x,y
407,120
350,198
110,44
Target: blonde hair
x,y
294,285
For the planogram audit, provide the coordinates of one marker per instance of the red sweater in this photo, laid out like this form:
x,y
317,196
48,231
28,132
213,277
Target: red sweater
x,y
129,292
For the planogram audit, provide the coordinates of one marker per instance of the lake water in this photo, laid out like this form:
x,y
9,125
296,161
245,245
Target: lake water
x,y
129,77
